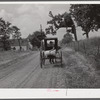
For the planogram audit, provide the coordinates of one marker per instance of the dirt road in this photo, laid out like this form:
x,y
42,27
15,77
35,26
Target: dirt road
x,y
26,73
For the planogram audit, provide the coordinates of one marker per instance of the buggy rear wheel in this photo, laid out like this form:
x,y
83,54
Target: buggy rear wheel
x,y
61,60
41,60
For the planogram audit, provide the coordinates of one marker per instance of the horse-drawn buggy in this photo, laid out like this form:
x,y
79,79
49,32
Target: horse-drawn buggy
x,y
51,51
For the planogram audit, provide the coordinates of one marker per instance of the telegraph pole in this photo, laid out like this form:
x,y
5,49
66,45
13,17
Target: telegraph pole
x,y
41,30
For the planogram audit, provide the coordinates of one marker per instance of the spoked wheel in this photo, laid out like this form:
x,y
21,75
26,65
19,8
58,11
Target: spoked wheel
x,y
61,60
41,59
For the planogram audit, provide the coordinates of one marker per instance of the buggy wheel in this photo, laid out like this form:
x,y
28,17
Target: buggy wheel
x,y
61,60
41,59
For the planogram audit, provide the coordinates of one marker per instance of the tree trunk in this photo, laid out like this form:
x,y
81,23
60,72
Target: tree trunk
x,y
75,35
74,32
4,44
87,35
19,44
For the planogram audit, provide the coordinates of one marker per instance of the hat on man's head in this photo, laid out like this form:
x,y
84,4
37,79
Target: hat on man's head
x,y
69,29
50,42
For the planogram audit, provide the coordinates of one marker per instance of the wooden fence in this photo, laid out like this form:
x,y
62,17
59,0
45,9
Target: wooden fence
x,y
88,47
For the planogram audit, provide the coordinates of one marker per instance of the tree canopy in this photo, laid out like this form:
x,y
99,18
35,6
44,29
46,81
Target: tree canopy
x,y
17,35
87,16
60,21
36,37
6,30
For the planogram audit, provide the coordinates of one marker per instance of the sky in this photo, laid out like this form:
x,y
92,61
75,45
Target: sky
x,y
28,17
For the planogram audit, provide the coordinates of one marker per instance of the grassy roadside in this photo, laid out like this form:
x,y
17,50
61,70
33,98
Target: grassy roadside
x,y
90,48
83,73
79,71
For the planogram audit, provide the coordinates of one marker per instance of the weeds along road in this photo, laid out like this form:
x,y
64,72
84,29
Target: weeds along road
x,y
27,73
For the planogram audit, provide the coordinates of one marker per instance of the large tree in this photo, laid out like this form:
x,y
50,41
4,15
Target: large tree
x,y
36,37
60,21
5,31
87,16
17,35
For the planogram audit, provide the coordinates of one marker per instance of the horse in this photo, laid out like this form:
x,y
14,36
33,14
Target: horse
x,y
51,54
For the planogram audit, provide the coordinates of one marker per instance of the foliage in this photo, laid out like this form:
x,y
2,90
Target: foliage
x,y
17,35
36,38
60,21
16,32
5,30
87,16
5,43
67,38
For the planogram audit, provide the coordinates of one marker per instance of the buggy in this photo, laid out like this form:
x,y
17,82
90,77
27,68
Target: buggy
x,y
55,53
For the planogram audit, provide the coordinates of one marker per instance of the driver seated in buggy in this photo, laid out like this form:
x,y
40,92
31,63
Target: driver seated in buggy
x,y
51,54
50,45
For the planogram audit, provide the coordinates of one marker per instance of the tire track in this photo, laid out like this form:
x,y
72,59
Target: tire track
x,y
29,76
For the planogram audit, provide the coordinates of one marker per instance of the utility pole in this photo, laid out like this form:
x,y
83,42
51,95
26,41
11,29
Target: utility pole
x,y
40,28
41,31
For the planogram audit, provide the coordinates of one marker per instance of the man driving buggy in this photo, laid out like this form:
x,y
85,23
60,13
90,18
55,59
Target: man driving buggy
x,y
51,52
51,45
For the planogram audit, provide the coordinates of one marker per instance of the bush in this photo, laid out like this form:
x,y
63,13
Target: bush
x,y
67,38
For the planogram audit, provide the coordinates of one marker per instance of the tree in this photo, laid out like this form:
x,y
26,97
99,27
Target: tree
x,y
67,38
17,35
36,38
87,16
5,31
60,21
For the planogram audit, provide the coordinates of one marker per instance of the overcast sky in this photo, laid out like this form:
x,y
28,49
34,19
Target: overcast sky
x,y
28,17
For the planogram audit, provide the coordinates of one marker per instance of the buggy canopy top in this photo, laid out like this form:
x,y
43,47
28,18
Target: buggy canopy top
x,y
44,43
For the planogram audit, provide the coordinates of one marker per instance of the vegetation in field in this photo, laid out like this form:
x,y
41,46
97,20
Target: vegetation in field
x,y
6,56
80,73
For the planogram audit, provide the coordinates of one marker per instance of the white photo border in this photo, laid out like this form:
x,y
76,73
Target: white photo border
x,y
6,93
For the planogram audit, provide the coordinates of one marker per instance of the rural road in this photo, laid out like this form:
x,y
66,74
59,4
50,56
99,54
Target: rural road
x,y
27,73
